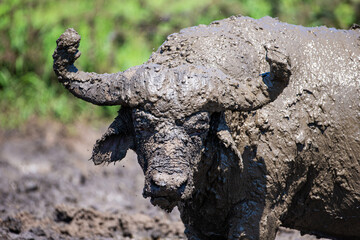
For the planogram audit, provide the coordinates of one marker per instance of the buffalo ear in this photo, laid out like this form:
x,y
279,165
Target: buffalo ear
x,y
119,137
224,135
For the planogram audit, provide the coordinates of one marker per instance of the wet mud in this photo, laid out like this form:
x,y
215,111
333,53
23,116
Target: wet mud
x,y
48,190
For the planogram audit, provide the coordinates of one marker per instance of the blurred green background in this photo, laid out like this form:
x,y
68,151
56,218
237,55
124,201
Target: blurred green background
x,y
116,34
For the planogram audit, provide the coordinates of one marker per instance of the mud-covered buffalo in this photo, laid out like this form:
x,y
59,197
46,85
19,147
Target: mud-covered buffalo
x,y
245,125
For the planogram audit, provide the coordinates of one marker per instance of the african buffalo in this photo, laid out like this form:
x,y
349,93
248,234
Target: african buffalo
x,y
245,125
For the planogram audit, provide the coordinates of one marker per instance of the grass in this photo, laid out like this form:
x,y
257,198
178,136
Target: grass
x,y
115,36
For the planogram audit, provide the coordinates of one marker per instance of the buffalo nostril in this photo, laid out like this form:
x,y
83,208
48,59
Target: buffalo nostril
x,y
182,187
154,187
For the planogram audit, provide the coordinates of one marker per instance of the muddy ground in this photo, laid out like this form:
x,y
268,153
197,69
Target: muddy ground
x,y
48,190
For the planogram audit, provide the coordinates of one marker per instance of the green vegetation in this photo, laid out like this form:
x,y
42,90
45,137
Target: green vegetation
x,y
117,34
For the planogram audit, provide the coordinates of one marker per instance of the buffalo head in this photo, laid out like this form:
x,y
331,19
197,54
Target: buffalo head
x,y
166,113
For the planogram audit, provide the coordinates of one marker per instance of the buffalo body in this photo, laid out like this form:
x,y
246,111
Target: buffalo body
x,y
245,125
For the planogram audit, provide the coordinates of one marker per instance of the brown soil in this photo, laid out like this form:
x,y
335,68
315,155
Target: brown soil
x,y
48,190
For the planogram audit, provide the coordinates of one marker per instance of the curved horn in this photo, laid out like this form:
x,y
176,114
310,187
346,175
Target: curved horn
x,y
100,89
253,92
191,87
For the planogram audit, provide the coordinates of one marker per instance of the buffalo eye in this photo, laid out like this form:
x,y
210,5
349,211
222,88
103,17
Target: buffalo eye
x,y
144,122
197,124
143,127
